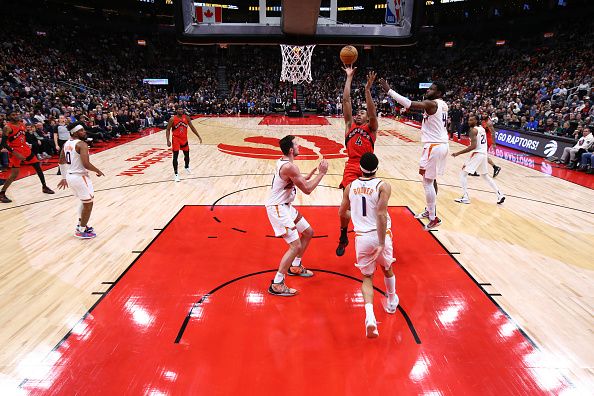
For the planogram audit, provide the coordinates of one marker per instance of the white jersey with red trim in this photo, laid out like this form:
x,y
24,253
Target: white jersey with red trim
x,y
282,191
364,197
73,158
434,126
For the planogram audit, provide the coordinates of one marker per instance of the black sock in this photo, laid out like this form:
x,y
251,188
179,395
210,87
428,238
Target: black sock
x,y
39,173
343,232
187,159
175,154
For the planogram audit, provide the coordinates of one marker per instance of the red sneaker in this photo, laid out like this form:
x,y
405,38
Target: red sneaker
x,y
433,224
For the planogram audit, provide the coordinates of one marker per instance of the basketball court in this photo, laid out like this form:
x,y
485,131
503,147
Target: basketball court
x,y
171,297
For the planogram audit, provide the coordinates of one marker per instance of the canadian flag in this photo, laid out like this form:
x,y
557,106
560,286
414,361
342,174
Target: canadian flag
x,y
209,14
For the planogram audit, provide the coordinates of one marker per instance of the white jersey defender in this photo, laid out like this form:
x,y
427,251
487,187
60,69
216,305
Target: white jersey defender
x,y
434,135
77,177
364,196
279,208
478,160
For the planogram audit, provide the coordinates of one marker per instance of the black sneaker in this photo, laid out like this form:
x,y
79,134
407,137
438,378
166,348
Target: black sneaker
x,y
342,244
496,170
4,198
473,174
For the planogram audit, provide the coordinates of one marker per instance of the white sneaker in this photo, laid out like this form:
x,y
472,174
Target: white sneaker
x,y
464,199
188,171
371,328
176,178
500,198
392,305
424,215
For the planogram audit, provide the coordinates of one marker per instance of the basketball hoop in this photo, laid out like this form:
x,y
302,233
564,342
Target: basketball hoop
x,y
296,63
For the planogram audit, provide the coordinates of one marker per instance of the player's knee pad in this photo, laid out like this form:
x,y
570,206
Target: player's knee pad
x,y
302,225
291,235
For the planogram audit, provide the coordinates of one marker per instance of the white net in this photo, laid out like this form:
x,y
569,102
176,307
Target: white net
x,y
296,63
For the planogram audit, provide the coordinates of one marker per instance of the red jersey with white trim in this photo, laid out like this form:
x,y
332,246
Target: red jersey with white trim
x,y
358,141
180,126
17,137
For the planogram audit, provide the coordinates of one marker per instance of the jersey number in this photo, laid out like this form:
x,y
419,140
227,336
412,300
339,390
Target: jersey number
x,y
364,206
483,139
358,142
444,118
68,161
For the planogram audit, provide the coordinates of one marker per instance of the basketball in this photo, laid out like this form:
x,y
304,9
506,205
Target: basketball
x,y
348,55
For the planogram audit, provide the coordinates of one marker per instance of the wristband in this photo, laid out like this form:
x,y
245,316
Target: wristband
x,y
406,102
63,170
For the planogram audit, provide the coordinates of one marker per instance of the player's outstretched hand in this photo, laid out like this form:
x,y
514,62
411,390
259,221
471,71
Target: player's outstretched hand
x,y
99,173
323,167
384,84
349,70
370,79
376,252
63,184
169,143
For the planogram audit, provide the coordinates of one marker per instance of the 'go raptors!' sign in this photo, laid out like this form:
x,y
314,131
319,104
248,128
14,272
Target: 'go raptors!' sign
x,y
327,148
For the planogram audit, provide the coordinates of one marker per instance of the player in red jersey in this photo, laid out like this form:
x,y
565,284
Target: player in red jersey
x,y
15,141
180,123
360,135
488,125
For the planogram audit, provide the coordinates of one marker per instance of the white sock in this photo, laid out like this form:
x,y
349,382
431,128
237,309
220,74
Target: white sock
x,y
296,262
369,311
279,277
491,183
430,196
390,286
464,183
80,228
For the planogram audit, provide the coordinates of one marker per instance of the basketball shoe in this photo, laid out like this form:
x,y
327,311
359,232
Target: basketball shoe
x,y
299,270
500,198
280,289
342,244
176,178
47,190
85,233
188,171
463,199
371,328
433,224
496,170
4,198
392,304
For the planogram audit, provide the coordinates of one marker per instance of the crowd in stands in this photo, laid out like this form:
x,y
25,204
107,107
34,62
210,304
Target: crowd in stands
x,y
54,75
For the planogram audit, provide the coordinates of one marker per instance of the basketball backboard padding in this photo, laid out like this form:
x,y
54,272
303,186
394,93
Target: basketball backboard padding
x,y
300,17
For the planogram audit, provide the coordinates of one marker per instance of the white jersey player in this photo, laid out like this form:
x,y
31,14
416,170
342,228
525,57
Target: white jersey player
x,y
75,167
284,218
367,199
434,136
477,162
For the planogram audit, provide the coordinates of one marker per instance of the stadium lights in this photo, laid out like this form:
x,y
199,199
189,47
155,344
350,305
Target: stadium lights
x,y
228,6
500,43
449,44
142,43
549,34
381,6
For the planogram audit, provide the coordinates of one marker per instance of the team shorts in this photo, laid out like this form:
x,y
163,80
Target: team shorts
x,y
476,163
433,160
351,173
365,243
82,186
282,218
180,143
14,162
